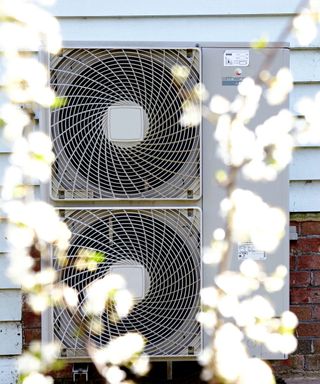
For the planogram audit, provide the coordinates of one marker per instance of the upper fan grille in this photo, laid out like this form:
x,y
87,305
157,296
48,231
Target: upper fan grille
x,y
163,163
166,244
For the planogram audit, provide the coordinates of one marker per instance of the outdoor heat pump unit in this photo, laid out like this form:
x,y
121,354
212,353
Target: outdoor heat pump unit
x,y
135,184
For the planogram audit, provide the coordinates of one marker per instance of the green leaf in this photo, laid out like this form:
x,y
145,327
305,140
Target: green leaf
x,y
59,102
260,43
98,257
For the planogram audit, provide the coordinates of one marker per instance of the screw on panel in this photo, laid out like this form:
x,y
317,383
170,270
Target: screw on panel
x,y
190,212
61,194
191,350
189,53
190,194
62,213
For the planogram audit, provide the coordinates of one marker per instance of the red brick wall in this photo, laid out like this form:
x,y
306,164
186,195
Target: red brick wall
x,y
305,297
304,301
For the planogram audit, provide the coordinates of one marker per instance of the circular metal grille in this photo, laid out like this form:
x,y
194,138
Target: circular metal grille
x,y
164,164
166,244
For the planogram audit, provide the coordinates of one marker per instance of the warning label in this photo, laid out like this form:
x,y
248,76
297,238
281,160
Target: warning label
x,y
236,58
248,251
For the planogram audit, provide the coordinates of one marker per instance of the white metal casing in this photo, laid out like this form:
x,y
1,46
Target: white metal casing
x,y
215,76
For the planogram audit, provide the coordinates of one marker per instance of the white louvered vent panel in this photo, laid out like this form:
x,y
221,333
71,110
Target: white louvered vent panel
x,y
119,134
159,251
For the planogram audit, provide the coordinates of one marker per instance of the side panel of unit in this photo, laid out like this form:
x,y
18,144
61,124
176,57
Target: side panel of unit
x,y
221,78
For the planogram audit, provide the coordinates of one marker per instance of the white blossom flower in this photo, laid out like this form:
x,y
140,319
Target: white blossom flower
x,y
39,301
214,254
289,343
11,181
141,365
272,149
123,302
191,114
256,331
305,27
219,105
111,287
235,141
250,269
205,356
26,80
273,283
246,103
88,259
289,320
34,155
228,305
234,283
20,266
115,375
200,92
19,236
40,217
15,119
255,371
208,319
279,87
180,72
261,308
28,363
284,343
209,296
49,352
100,291
247,224
70,296
37,20
230,353
206,374
307,130
219,234
120,350
37,378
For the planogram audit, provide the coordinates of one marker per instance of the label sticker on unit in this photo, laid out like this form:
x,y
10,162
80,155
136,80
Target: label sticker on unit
x,y
248,251
236,58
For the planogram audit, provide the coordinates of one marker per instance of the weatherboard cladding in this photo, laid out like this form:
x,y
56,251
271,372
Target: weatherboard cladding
x,y
204,20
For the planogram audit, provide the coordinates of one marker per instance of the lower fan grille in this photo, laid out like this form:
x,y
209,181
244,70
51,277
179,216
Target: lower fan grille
x,y
163,246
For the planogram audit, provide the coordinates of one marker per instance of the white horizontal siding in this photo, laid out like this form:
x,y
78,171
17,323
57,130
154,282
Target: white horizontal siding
x,y
10,305
305,65
4,162
170,8
5,147
302,90
4,246
5,282
202,28
304,196
8,370
305,164
11,338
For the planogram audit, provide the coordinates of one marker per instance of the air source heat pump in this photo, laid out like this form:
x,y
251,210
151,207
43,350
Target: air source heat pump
x,y
136,185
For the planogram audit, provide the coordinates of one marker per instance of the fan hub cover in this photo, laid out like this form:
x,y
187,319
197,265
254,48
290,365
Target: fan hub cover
x,y
126,124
